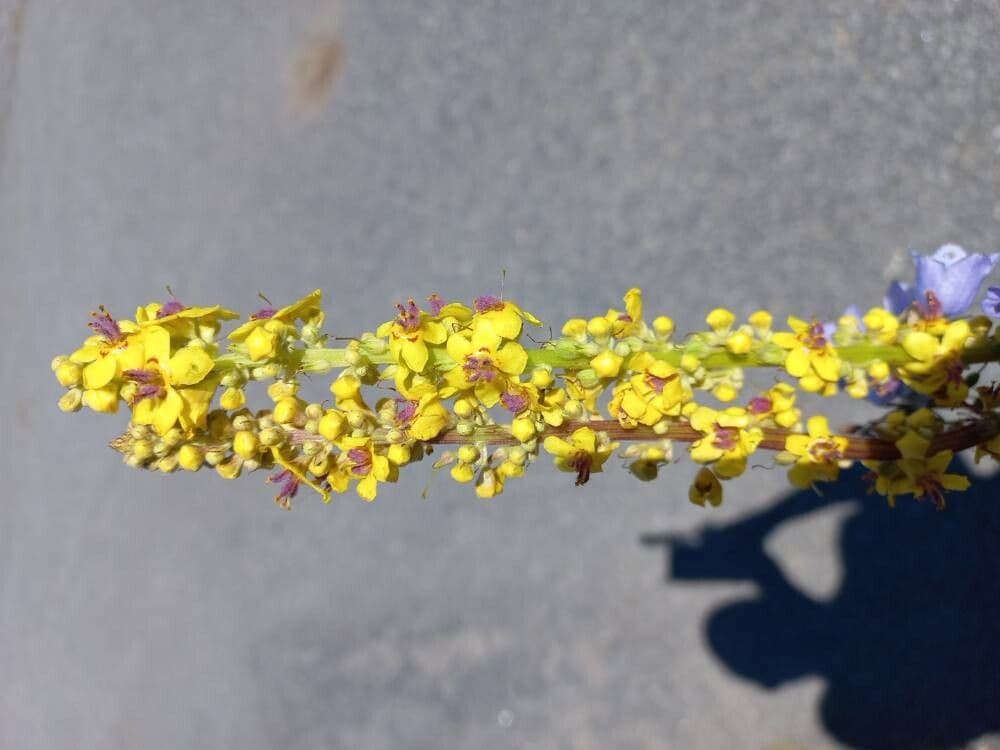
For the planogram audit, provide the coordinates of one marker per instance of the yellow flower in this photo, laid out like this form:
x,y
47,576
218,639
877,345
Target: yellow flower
x,y
775,406
503,317
937,368
628,323
929,479
115,346
410,333
817,455
420,412
289,479
187,322
811,358
263,331
170,388
706,486
484,363
727,439
367,466
655,391
584,453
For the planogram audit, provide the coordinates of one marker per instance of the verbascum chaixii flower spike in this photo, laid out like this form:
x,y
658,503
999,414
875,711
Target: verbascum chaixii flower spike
x,y
410,334
584,453
484,363
449,374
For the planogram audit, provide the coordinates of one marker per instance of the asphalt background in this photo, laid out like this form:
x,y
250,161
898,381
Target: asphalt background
x,y
779,154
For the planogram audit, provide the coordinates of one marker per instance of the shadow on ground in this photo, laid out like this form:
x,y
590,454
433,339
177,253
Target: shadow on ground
x,y
910,645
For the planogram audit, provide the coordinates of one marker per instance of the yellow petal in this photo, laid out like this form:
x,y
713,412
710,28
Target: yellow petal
x,y
920,345
797,362
190,365
415,355
261,343
433,332
558,447
99,373
167,411
511,358
827,366
818,426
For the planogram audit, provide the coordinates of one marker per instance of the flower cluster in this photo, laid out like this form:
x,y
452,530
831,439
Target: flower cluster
x,y
459,379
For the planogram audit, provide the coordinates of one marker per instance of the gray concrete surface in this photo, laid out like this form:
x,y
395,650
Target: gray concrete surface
x,y
781,153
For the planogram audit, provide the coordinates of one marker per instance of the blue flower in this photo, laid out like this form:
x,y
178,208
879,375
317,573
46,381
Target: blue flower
x,y
953,275
991,305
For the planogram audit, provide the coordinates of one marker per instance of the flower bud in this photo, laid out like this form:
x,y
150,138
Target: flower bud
x,y
280,389
331,426
395,436
242,422
462,472
287,410
101,400
214,457
311,448
314,411
761,320
465,428
517,455
739,343
271,436
663,326
233,399
230,468
266,372
879,370
357,419
69,374
58,360
464,408
607,364
575,328
398,454
468,454
320,464
142,449
190,457
251,464
71,400
599,327
167,464
174,437
588,378
573,409
353,357
523,428
720,319
541,376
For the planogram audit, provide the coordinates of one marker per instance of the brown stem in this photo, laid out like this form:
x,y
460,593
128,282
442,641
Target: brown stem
x,y
858,448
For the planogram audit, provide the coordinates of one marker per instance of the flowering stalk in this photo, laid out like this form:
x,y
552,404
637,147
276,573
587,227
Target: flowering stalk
x,y
447,374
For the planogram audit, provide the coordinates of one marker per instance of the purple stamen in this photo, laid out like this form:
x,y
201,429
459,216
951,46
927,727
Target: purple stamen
x,y
150,390
582,463
436,303
625,318
815,337
514,402
932,309
362,461
825,451
141,376
658,383
104,325
479,368
288,486
760,405
405,410
172,307
725,438
409,316
263,313
487,302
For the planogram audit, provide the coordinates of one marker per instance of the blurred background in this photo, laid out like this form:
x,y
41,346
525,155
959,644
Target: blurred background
x,y
775,153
